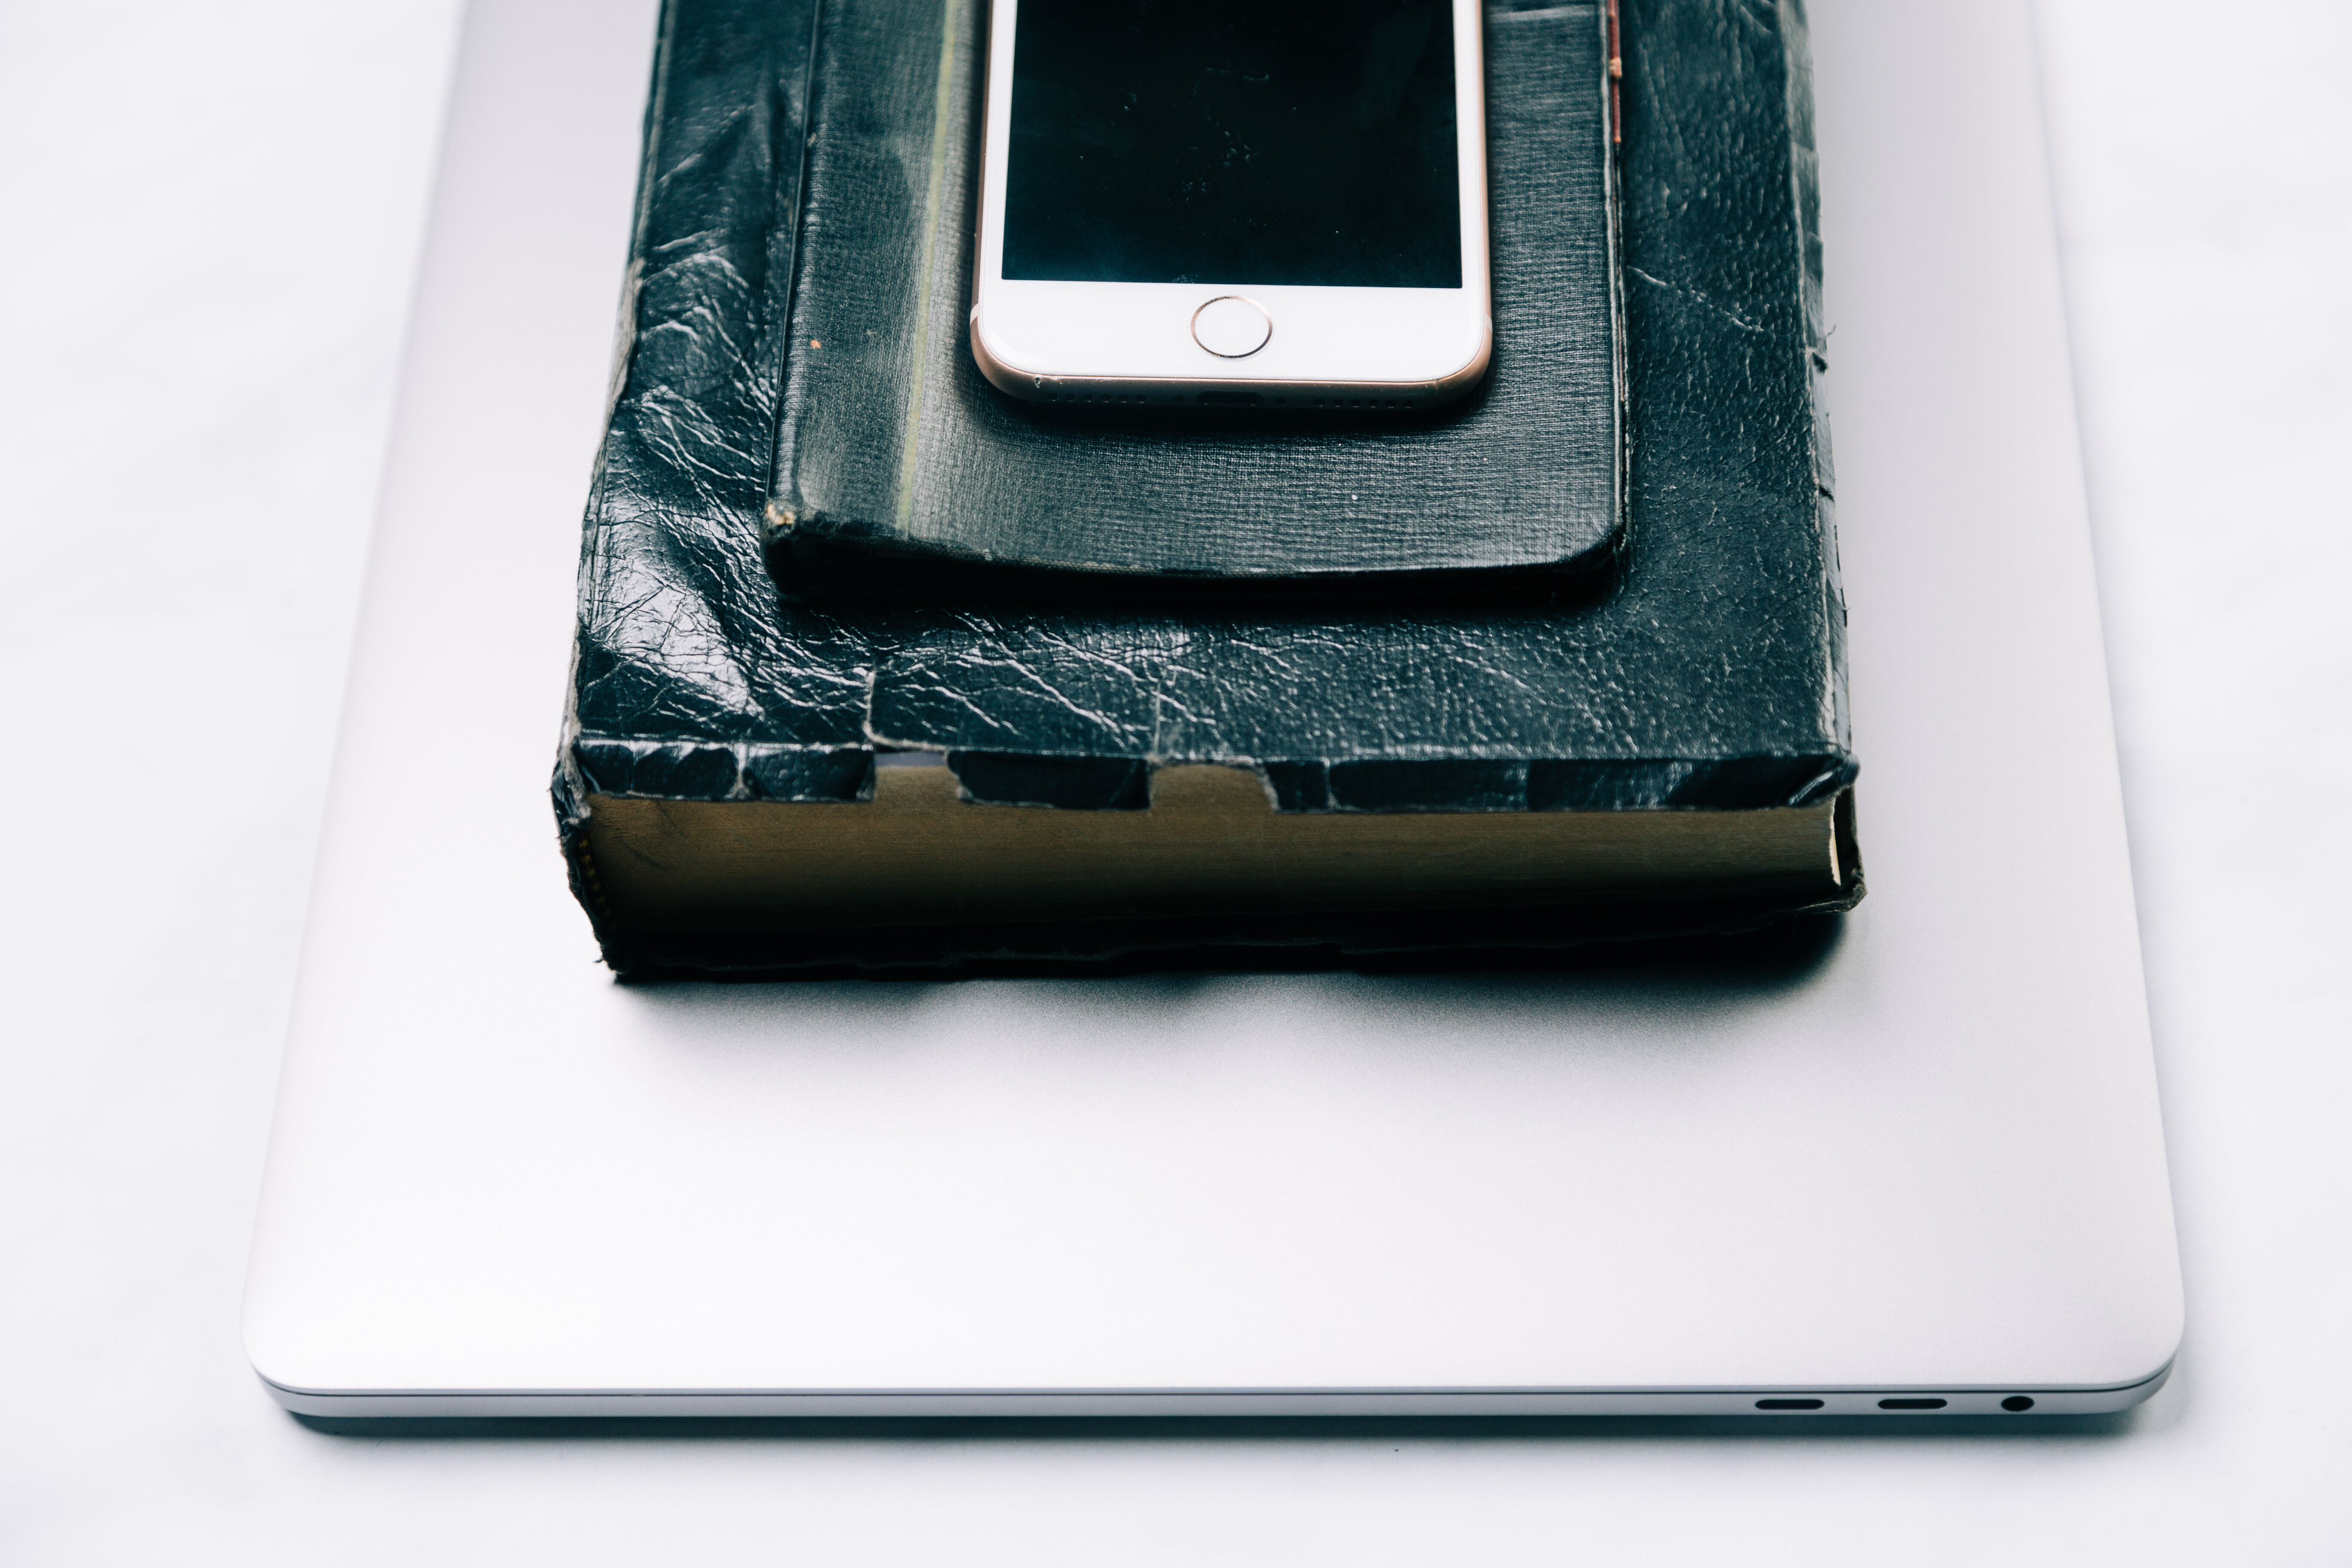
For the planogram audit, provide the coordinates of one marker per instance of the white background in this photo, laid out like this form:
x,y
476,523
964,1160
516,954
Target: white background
x,y
209,217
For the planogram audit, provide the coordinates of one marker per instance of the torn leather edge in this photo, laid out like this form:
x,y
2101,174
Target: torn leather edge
x,y
748,771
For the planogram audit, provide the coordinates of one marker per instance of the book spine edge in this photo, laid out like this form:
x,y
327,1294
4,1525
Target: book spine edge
x,y
568,790
1804,174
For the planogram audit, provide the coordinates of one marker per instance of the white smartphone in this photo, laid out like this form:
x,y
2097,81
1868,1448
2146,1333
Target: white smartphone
x,y
1275,203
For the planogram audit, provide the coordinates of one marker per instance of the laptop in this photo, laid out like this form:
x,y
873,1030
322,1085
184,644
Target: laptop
x,y
1905,1164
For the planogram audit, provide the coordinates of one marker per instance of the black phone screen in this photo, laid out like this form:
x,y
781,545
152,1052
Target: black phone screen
x,y
1235,142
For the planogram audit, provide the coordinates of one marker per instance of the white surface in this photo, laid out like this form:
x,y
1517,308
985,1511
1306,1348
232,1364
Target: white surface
x,y
150,955
1931,1164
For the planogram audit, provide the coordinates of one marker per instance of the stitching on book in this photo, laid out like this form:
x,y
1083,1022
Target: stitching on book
x,y
950,19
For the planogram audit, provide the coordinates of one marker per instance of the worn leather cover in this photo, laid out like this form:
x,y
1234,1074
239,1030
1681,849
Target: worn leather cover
x,y
892,444
1705,674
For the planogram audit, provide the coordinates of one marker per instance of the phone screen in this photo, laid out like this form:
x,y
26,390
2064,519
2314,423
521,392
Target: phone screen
x,y
1235,142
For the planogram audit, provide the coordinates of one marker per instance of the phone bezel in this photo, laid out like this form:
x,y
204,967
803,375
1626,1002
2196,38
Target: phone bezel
x,y
1055,340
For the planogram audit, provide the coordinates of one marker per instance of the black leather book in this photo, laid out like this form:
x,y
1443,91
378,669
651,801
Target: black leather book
x,y
752,784
899,468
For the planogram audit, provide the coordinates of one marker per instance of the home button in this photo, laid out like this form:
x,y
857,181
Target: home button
x,y
1230,326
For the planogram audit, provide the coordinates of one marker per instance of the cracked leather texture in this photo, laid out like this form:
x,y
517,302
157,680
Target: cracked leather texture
x,y
1707,672
894,446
